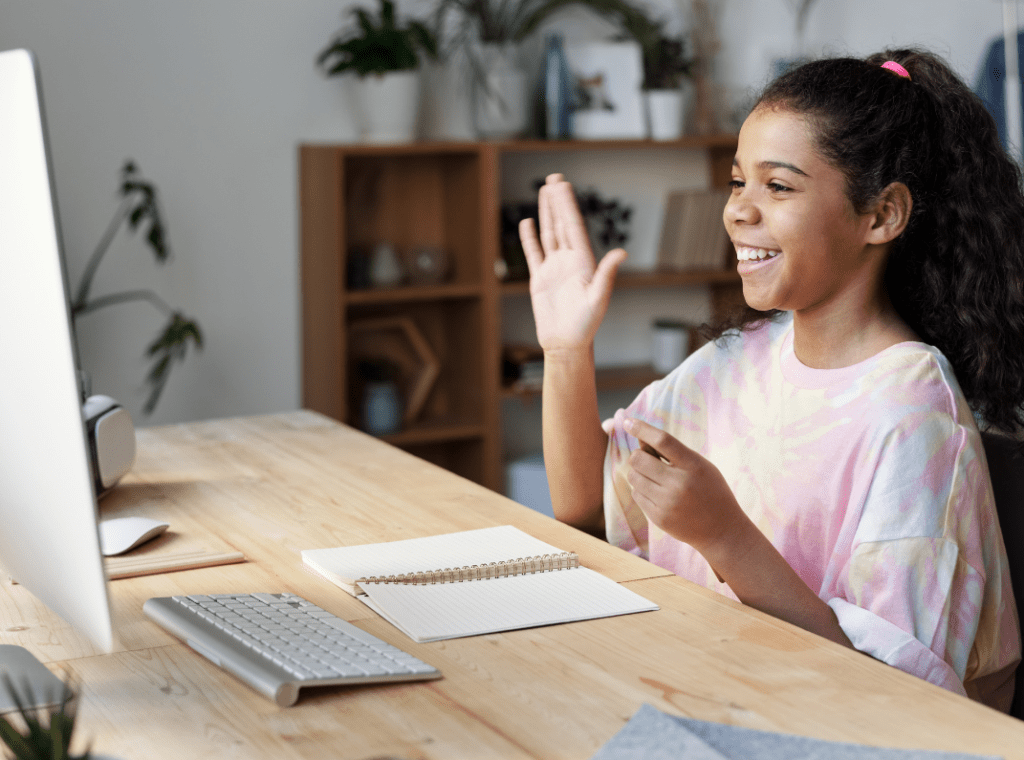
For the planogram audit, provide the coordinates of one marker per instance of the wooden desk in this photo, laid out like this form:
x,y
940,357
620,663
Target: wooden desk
x,y
273,486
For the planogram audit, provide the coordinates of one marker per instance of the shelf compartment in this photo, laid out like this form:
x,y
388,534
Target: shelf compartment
x,y
415,199
452,331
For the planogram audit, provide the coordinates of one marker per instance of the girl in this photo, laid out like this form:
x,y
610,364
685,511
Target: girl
x,y
820,460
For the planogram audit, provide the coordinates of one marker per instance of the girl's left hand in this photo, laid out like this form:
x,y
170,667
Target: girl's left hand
x,y
682,492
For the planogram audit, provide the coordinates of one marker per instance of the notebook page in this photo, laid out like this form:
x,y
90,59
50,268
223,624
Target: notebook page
x,y
453,610
470,547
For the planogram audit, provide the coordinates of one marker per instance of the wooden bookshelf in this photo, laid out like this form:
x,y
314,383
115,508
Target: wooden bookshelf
x,y
446,194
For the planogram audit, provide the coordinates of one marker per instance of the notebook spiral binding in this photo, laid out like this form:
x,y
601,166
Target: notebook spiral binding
x,y
522,566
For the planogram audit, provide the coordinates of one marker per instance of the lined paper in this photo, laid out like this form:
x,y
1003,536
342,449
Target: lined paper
x,y
453,610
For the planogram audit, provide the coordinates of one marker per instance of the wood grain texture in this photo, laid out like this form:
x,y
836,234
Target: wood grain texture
x,y
272,486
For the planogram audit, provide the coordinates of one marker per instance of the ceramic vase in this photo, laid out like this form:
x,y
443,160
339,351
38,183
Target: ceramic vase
x,y
556,90
387,106
382,408
385,267
666,112
500,107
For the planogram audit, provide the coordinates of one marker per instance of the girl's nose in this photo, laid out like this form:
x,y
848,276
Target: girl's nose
x,y
739,210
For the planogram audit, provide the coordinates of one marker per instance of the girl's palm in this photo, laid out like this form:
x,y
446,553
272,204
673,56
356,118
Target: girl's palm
x,y
569,292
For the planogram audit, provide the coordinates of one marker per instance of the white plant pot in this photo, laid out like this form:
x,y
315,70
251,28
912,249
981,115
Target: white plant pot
x,y
500,107
387,106
666,112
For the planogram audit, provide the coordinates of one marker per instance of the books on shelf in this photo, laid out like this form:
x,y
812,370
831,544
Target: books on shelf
x,y
693,235
472,582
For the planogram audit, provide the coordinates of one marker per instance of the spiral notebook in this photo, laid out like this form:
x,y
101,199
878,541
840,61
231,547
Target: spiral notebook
x,y
472,582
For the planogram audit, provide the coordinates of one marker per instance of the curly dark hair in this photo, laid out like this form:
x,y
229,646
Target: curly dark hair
x,y
956,273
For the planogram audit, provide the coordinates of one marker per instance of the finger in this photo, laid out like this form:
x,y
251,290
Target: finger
x,y
561,215
531,245
660,443
572,230
604,275
547,221
554,179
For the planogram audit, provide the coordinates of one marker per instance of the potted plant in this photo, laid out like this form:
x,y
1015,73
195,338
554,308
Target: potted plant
x,y
385,55
488,33
667,67
667,71
43,732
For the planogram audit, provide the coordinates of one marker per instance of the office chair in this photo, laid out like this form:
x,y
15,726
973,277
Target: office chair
x,y
1006,466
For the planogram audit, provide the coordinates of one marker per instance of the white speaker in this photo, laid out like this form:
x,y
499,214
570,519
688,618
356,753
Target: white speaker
x,y
111,436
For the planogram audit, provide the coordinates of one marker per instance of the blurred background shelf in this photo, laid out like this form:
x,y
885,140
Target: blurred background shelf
x,y
447,195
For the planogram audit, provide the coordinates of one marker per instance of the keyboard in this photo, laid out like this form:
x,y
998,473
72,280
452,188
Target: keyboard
x,y
279,643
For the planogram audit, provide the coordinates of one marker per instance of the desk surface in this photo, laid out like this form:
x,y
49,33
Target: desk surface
x,y
272,486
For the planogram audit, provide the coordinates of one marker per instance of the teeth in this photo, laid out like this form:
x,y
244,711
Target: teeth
x,y
746,253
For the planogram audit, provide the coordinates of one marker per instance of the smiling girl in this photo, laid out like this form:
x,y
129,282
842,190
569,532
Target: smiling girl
x,y
820,460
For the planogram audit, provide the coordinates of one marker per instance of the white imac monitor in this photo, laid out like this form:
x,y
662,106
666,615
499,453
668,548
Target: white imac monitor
x,y
49,540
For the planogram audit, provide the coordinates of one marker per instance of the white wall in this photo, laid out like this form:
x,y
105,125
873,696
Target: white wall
x,y
211,98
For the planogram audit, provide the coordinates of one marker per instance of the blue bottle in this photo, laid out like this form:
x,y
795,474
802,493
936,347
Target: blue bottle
x,y
557,90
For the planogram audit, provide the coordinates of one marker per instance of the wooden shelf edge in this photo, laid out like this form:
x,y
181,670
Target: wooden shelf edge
x,y
631,280
624,377
434,432
697,142
413,293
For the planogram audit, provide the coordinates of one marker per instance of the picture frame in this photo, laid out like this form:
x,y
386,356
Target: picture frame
x,y
608,104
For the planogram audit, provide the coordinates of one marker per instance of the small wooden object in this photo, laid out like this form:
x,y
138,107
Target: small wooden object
x,y
391,338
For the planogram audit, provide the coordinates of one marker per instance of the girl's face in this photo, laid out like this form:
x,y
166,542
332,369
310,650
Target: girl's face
x,y
801,245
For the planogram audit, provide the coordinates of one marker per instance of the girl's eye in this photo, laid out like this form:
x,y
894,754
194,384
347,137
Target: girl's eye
x,y
736,184
775,187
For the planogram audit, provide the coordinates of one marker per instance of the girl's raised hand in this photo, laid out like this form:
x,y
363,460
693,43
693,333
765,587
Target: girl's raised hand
x,y
682,492
569,292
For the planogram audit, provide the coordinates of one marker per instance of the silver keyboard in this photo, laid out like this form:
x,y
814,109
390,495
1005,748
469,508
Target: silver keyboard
x,y
278,643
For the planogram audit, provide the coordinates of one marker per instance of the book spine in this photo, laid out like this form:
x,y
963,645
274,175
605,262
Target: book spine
x,y
522,566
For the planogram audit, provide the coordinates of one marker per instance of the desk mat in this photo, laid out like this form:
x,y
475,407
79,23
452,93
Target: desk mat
x,y
653,735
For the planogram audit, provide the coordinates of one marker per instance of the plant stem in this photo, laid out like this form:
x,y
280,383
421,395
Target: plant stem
x,y
124,297
85,283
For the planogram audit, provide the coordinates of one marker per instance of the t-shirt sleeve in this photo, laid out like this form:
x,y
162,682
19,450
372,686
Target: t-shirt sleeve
x,y
626,525
924,579
865,621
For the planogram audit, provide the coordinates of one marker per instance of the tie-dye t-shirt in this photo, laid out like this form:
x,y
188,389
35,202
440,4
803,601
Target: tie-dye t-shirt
x,y
870,480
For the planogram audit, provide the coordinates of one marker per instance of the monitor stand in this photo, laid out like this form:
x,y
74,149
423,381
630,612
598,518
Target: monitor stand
x,y
36,685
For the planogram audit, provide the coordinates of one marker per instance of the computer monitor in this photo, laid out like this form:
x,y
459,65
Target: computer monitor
x,y
49,540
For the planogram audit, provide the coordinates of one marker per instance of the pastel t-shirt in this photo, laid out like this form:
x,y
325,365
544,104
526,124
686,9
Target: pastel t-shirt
x,y
870,480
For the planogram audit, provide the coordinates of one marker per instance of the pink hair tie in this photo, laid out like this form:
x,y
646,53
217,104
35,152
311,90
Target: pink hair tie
x,y
895,68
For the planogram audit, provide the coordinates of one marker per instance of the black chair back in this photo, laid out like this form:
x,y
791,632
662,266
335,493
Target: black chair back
x,y
1006,465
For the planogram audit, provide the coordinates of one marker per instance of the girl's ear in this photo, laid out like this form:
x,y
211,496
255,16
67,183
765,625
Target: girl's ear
x,y
891,214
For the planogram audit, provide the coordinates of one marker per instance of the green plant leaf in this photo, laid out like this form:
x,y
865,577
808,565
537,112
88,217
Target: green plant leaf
x,y
40,741
377,45
170,345
139,207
